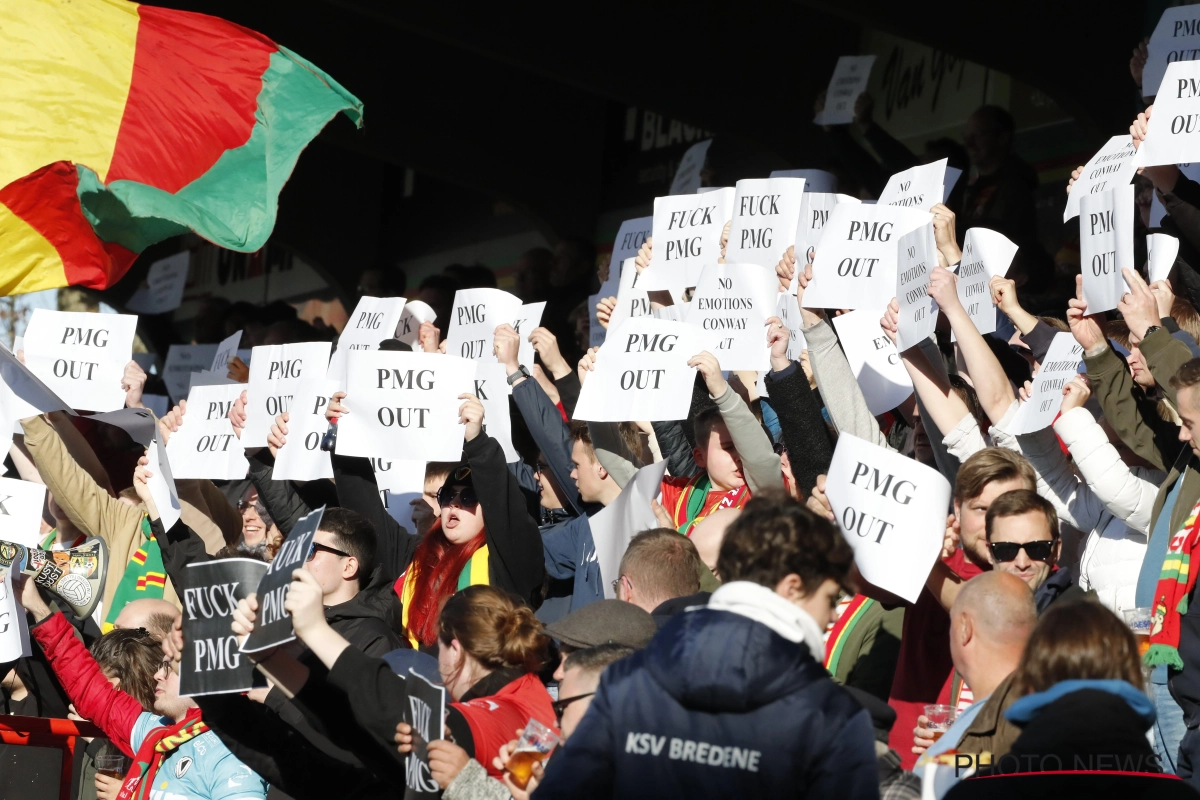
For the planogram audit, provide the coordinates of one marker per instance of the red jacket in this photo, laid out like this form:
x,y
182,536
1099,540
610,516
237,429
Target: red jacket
x,y
494,720
114,711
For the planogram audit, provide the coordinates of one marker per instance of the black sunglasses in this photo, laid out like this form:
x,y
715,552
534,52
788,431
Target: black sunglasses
x,y
315,546
1037,551
465,494
561,705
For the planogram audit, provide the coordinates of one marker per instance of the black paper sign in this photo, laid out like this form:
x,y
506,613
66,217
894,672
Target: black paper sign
x,y
212,663
274,625
426,713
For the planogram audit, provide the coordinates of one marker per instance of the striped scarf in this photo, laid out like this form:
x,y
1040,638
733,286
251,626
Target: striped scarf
x,y
154,750
692,505
1175,584
475,572
840,632
144,576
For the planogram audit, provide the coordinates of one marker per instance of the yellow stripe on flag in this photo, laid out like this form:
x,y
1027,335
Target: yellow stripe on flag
x,y
65,71
31,263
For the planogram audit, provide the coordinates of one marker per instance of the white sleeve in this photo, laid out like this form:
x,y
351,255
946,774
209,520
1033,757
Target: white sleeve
x,y
964,439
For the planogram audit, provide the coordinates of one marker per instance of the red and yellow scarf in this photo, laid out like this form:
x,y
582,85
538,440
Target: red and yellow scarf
x,y
1175,584
693,504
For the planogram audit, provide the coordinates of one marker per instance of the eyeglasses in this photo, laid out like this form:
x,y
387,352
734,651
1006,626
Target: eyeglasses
x,y
1037,551
542,467
464,494
616,585
315,546
561,705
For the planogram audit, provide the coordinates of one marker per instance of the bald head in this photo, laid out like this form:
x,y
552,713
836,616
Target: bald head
x,y
1001,607
155,615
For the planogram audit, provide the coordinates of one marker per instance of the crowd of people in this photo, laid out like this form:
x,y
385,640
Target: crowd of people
x,y
737,649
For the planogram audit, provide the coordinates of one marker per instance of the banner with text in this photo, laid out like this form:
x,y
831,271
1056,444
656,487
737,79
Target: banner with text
x,y
205,446
374,319
1112,166
916,187
765,213
212,663
1064,360
273,626
687,237
731,306
917,253
1106,246
276,372
874,360
985,255
474,319
81,356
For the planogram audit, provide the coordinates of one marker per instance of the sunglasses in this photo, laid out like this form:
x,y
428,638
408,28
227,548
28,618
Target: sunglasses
x,y
315,546
1037,551
464,494
561,705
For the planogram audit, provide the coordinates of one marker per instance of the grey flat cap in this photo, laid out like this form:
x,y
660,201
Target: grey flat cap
x,y
602,622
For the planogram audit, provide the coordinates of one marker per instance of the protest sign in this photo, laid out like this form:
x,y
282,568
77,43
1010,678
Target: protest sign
x,y
624,518
207,378
1106,246
918,255
874,359
632,299
952,176
474,319
206,446
528,317
916,187
24,394
400,475
630,238
1176,37
731,306
81,356
985,255
815,180
211,662
1171,133
301,457
849,80
642,373
21,505
492,389
788,311
276,372
163,288
765,213
892,510
425,713
374,319
1161,252
687,237
855,264
414,313
1064,360
405,405
814,213
162,484
687,174
1110,167
227,349
14,631
274,624
182,361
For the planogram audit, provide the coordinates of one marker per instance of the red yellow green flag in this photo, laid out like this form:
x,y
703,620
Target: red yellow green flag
x,y
125,124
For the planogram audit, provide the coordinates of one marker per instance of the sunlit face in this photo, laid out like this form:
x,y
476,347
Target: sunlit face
x,y
330,569
1031,526
461,521
720,459
587,473
254,530
166,693
1189,412
972,518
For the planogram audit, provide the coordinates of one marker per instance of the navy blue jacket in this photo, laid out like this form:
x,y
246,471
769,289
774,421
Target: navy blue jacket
x,y
717,706
571,554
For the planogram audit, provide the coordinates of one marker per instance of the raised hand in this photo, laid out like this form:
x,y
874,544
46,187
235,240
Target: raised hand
x,y
133,381
710,369
1075,393
587,364
644,254
277,437
1085,328
471,414
1138,306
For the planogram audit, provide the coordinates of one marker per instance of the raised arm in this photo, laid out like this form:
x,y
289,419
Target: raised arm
x,y
800,421
760,463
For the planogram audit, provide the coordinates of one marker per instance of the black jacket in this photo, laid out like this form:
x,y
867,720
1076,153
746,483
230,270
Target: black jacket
x,y
804,433
358,491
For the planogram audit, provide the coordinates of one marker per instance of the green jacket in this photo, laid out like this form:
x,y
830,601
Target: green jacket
x,y
868,658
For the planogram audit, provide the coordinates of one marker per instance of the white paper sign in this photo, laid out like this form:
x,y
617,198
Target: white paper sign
x,y
892,511
276,372
162,484
986,254
624,518
492,389
409,328
404,405
848,82
1173,133
528,317
81,356
205,446
855,264
631,298
687,237
918,256
731,307
1106,246
1176,37
1063,362
765,213
182,361
814,212
14,633
301,457
399,475
687,175
1161,251
788,311
226,350
473,321
815,180
21,505
163,291
642,373
873,359
916,187
374,319
1112,166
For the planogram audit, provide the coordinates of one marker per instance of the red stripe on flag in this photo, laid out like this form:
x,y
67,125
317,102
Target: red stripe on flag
x,y
48,202
194,93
